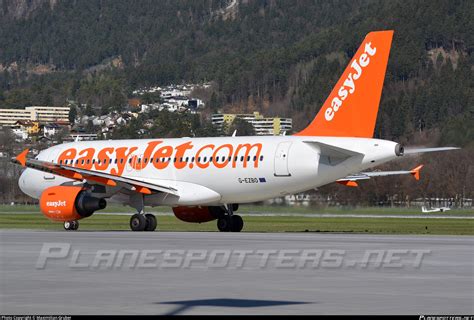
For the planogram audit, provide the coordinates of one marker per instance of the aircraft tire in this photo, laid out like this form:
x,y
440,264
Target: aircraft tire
x,y
223,224
237,223
150,222
138,222
75,225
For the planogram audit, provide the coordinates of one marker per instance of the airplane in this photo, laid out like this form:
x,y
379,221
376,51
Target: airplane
x,y
441,209
205,179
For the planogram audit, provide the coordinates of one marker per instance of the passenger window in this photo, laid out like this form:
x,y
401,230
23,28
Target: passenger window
x,y
261,158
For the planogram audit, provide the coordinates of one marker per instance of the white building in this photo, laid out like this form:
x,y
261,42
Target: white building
x,y
261,125
50,130
80,136
20,133
42,114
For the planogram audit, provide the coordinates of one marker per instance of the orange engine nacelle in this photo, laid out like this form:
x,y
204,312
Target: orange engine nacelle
x,y
67,203
197,214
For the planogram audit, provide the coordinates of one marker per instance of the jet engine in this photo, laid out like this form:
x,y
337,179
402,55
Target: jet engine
x,y
68,203
198,214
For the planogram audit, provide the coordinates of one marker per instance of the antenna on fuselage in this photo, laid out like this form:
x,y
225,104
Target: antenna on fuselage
x,y
235,133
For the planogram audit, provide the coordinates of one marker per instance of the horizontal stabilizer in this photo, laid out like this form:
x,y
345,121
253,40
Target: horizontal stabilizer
x,y
423,150
350,181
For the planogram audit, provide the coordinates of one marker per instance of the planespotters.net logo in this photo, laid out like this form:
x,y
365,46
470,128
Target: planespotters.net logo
x,y
68,255
349,85
56,204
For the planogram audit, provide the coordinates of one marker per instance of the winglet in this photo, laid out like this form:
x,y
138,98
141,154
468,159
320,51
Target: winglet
x,y
348,183
416,172
21,158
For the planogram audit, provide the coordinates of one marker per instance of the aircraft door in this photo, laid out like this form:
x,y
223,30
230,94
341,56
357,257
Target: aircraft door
x,y
281,159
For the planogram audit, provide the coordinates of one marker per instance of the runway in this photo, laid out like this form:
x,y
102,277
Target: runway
x,y
280,273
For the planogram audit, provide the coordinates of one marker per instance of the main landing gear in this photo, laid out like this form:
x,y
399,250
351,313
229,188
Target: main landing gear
x,y
143,222
71,225
230,222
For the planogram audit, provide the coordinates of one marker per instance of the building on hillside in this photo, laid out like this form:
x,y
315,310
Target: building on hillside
x,y
23,129
261,125
134,103
19,133
81,136
51,129
42,114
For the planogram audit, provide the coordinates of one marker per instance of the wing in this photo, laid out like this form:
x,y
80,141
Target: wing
x,y
351,181
79,174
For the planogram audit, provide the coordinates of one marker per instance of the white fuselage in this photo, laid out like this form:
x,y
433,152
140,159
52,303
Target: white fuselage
x,y
242,169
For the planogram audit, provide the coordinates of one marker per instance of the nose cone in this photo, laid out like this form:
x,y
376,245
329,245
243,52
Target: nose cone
x,y
29,183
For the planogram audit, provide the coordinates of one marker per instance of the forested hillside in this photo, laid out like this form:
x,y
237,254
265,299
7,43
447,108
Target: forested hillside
x,y
278,57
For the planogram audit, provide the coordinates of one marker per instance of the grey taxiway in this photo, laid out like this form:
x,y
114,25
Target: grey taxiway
x,y
45,272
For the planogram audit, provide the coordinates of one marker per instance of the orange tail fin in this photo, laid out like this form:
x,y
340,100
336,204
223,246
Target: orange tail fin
x,y
351,108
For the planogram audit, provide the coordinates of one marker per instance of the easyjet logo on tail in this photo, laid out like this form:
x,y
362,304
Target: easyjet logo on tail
x,y
349,85
357,92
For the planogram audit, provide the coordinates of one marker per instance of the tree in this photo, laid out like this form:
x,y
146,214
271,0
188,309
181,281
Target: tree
x,y
89,111
72,115
242,127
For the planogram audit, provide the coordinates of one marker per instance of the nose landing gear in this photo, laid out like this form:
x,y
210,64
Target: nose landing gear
x,y
71,225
